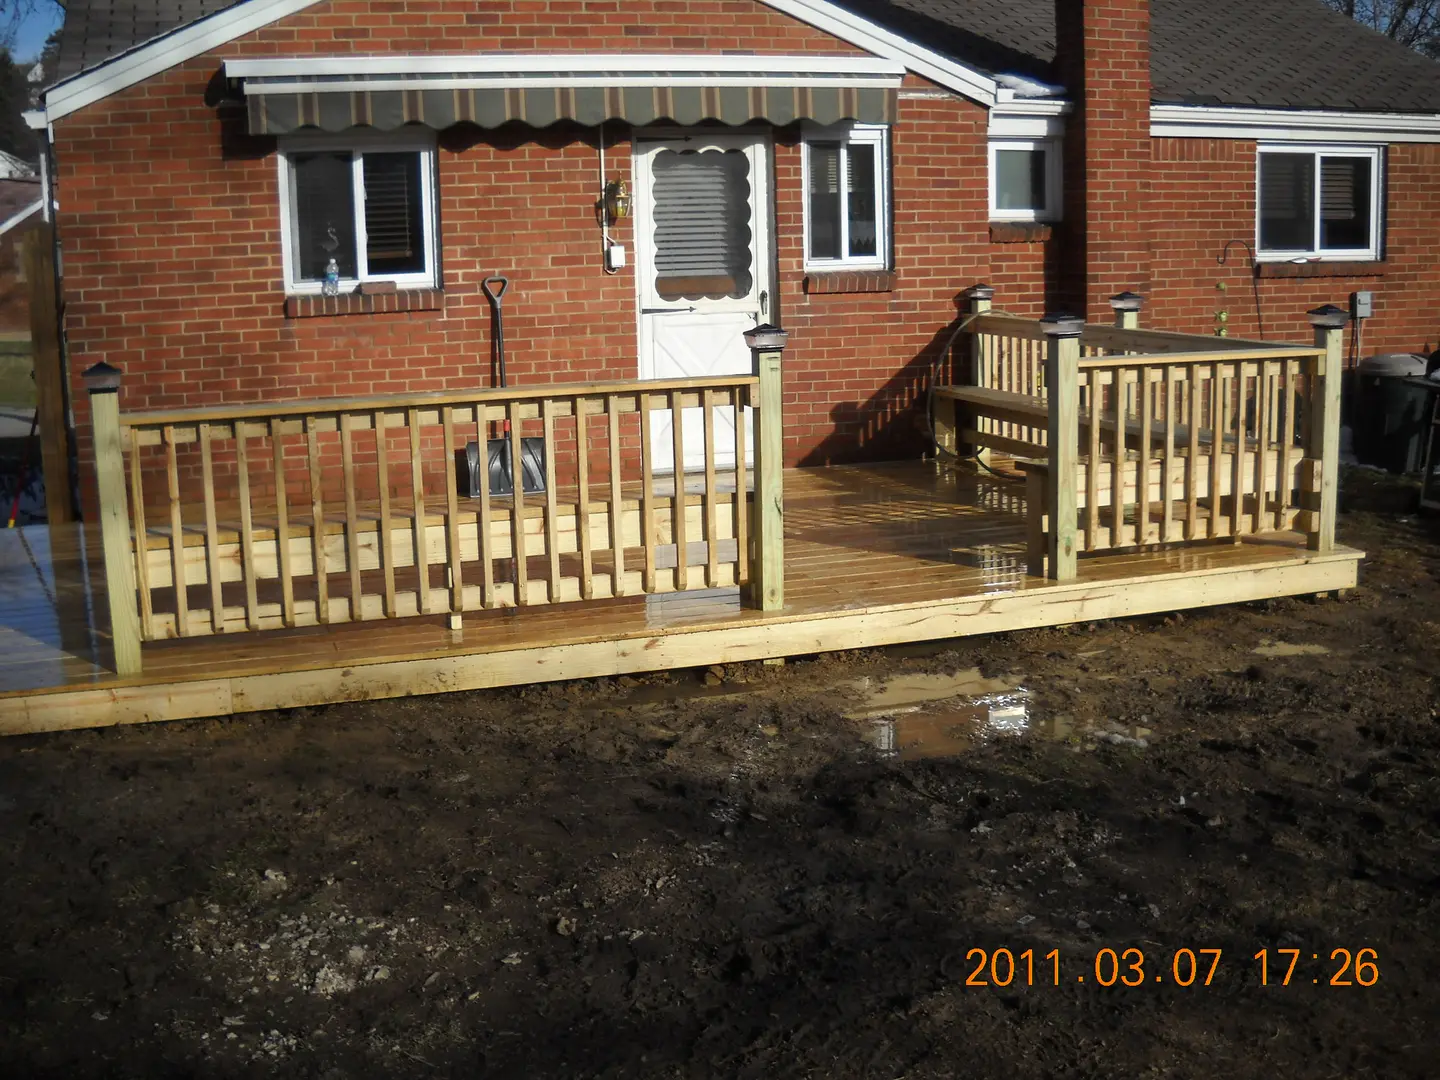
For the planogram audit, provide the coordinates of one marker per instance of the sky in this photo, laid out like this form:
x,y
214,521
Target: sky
x,y
35,29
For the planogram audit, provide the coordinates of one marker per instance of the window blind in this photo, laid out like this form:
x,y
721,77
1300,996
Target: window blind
x,y
702,224
394,232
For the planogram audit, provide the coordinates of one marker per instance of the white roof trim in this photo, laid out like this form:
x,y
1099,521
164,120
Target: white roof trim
x,y
196,38
561,63
18,218
1292,125
864,34
164,52
338,74
1028,118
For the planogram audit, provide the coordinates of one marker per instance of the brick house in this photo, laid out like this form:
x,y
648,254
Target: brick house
x,y
655,176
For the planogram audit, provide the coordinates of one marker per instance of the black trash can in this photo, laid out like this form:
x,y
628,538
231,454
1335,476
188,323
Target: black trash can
x,y
1390,417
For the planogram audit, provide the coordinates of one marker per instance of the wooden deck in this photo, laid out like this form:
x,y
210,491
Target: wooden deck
x,y
874,555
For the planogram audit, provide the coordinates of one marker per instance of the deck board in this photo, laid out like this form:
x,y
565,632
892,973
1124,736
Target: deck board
x,y
874,555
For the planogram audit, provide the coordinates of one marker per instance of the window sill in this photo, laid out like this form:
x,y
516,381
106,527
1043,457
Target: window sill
x,y
849,281
1356,268
1020,232
317,306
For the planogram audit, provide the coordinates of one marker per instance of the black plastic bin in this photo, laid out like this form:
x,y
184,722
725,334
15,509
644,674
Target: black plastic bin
x,y
1391,417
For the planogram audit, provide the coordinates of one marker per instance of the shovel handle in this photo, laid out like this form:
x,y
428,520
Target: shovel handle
x,y
493,293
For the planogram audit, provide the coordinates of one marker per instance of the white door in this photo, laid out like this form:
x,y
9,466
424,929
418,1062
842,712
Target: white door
x,y
703,265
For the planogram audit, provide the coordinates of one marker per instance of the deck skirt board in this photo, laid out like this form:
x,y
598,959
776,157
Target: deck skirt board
x,y
875,556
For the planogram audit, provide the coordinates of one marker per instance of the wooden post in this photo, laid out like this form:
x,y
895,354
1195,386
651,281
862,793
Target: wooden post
x,y
947,429
102,382
767,573
1127,307
1329,322
1062,377
39,256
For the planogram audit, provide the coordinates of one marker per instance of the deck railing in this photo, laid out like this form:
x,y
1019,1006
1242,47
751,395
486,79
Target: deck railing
x,y
330,511
1139,437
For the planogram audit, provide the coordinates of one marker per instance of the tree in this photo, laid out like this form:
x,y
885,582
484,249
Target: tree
x,y
1415,23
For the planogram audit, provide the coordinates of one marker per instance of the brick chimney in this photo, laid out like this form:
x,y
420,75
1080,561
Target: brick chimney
x,y
1103,61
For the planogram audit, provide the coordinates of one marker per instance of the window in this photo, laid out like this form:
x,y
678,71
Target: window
x,y
369,206
1318,202
1024,180
846,177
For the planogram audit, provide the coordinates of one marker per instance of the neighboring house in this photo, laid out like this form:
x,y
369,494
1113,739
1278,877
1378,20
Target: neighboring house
x,y
20,205
845,169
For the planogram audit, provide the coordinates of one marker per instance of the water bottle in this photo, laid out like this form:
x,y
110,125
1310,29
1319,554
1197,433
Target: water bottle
x,y
332,279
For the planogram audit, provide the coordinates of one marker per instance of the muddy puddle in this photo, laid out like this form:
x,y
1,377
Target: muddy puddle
x,y
917,716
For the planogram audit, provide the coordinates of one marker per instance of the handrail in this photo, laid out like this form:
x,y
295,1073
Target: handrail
x,y
1284,352
654,388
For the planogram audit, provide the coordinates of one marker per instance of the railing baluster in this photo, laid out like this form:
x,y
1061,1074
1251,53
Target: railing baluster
x,y
319,557
454,578
617,513
1262,446
418,529
352,517
1143,470
177,535
247,526
742,492
678,530
1241,378
387,540
647,520
520,561
282,527
1283,486
582,502
1117,461
212,530
1192,469
1218,399
142,541
707,413
484,528
1167,466
552,510
1094,380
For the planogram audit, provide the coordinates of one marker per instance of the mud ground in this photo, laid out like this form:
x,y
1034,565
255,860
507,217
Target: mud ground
x,y
717,874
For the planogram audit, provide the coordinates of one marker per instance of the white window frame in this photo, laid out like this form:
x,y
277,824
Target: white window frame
x,y
1377,187
359,144
877,135
1051,211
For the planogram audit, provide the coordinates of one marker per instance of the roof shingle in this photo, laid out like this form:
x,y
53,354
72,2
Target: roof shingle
x,y
1273,53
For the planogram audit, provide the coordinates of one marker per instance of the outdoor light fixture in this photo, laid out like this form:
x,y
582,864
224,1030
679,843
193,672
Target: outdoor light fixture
x,y
766,336
616,201
1062,324
1127,301
1328,317
980,292
102,378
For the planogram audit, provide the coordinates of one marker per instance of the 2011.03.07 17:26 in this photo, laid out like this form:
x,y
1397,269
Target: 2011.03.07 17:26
x,y
1360,969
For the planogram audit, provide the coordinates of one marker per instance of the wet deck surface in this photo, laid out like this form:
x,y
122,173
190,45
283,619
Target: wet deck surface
x,y
857,538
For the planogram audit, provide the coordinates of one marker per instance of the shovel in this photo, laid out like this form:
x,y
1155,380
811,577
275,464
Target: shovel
x,y
499,466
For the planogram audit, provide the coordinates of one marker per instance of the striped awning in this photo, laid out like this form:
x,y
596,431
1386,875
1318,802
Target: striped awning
x,y
392,93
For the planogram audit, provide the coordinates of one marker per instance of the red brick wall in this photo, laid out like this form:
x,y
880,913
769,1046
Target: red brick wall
x,y
1202,194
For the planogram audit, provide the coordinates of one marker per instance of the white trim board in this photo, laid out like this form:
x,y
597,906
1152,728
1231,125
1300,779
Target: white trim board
x,y
558,64
1292,125
194,39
